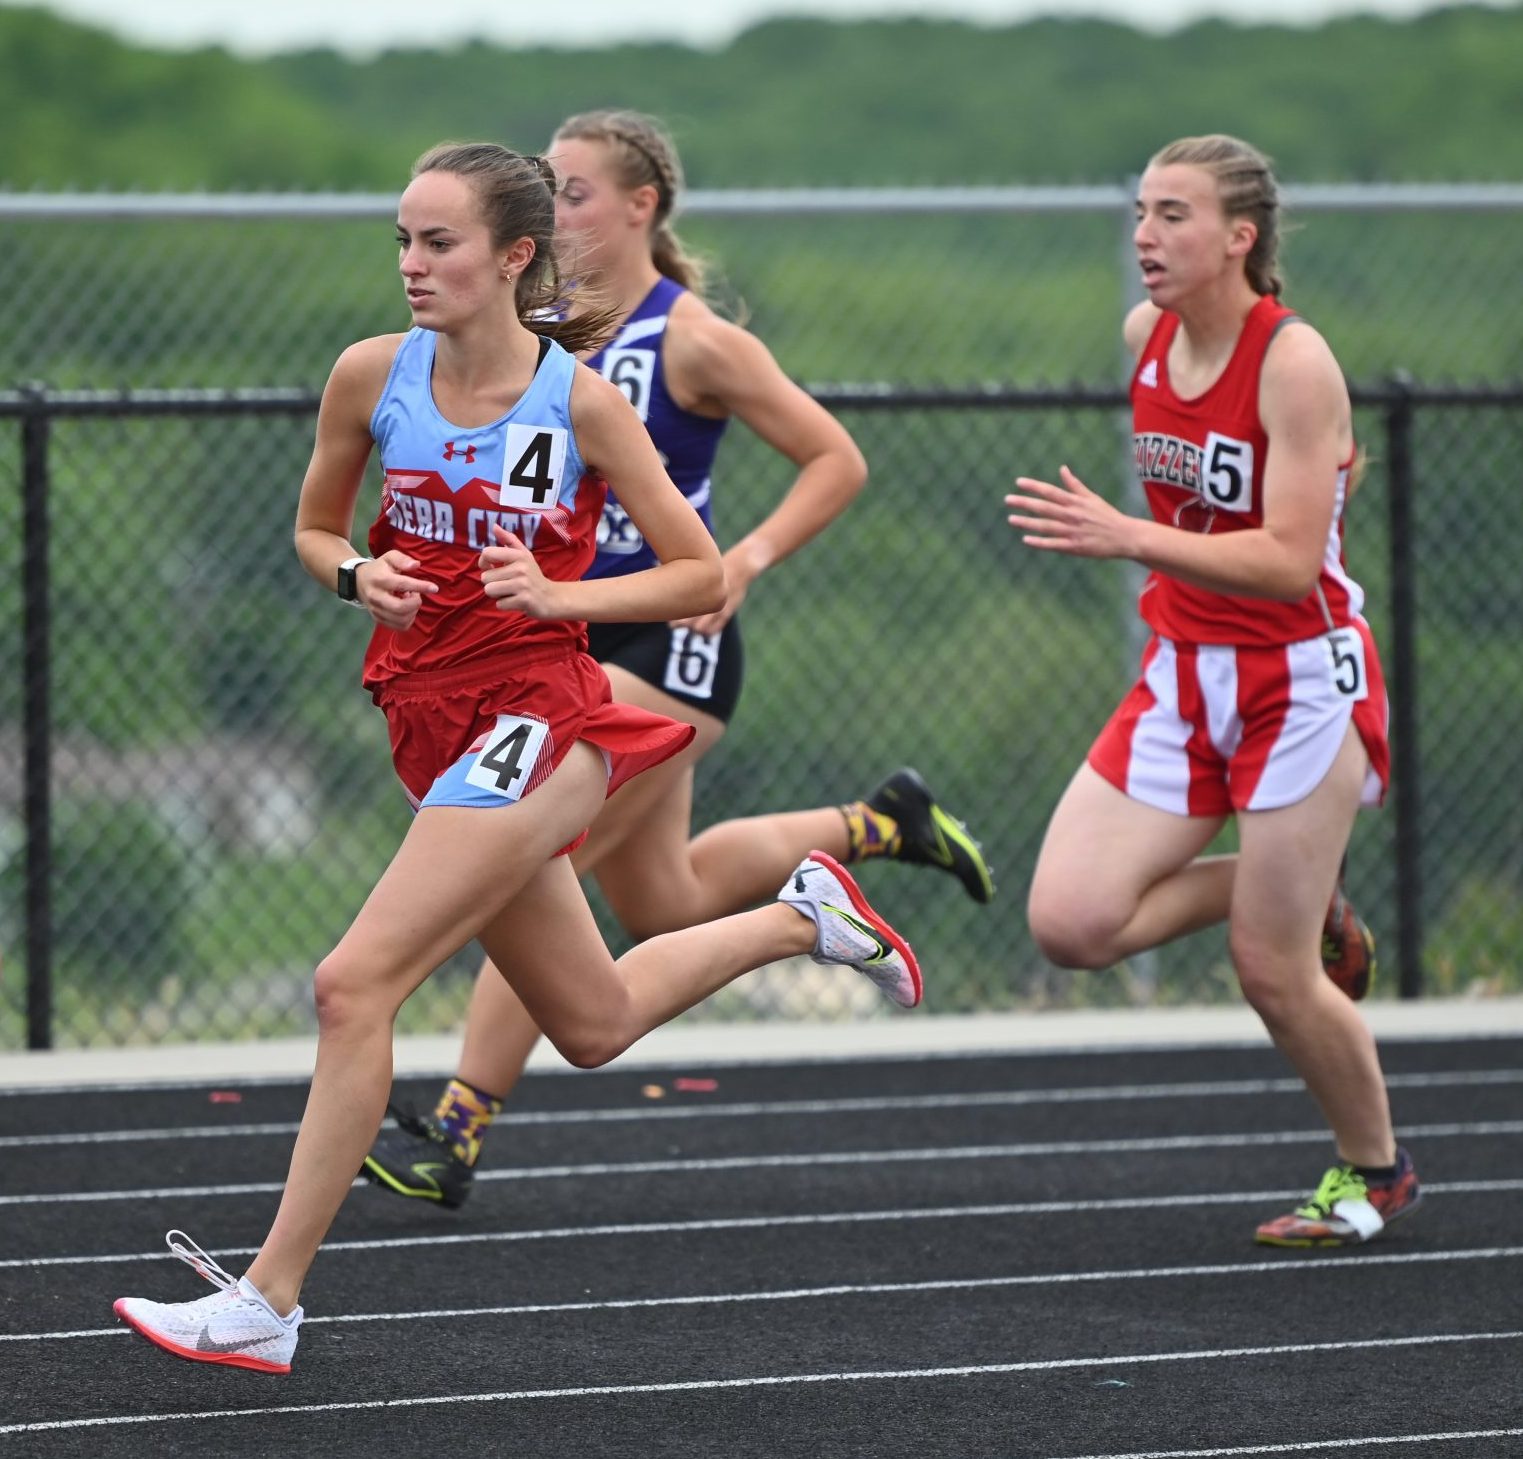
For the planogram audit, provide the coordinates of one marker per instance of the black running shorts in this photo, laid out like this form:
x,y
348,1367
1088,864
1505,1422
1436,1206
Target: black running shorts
x,y
703,670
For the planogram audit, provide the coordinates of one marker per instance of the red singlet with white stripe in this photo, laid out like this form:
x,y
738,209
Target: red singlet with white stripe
x,y
1201,462
1243,702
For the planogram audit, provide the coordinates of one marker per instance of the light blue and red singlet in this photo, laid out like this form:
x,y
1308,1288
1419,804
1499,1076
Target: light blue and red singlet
x,y
482,702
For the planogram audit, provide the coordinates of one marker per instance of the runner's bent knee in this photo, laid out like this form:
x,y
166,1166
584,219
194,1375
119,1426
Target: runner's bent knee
x,y
586,1049
1074,927
346,992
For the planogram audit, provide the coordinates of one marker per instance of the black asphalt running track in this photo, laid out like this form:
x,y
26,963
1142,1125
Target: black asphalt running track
x,y
1029,1256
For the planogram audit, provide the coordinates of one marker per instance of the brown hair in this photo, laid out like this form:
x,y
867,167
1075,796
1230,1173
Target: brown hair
x,y
644,155
517,198
1246,186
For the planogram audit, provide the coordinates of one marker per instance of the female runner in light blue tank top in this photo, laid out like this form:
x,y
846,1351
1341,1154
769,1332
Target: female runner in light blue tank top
x,y
687,372
476,230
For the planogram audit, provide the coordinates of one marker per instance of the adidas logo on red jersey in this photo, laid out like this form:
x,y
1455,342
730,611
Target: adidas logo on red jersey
x,y
1149,375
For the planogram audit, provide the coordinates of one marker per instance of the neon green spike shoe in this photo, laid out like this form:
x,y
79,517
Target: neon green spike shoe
x,y
928,836
1346,1209
417,1159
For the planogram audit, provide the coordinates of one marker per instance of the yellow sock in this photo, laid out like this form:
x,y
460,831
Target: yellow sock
x,y
869,832
463,1113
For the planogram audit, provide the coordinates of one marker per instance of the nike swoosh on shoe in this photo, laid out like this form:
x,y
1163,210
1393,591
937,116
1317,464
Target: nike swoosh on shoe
x,y
206,1343
885,949
422,1172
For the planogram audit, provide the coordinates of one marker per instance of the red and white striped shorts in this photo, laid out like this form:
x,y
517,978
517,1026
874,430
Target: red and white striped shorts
x,y
1210,729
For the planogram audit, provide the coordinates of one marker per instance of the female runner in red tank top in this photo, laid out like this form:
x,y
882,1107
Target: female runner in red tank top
x,y
1261,696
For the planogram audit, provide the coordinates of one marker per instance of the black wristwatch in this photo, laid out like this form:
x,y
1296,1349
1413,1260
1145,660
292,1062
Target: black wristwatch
x,y
348,580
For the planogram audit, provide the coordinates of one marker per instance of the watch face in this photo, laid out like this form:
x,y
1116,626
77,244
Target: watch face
x,y
347,588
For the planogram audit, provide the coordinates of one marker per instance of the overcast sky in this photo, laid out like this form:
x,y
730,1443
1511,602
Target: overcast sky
x,y
361,27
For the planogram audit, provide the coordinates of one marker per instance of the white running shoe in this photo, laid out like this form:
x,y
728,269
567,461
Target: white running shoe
x,y
235,1325
849,931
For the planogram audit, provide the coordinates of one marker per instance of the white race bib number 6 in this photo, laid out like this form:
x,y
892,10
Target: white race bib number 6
x,y
632,371
692,663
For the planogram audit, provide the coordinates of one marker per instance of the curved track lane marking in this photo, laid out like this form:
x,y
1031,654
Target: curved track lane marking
x,y
702,1385
1320,1264
1081,1094
1237,1140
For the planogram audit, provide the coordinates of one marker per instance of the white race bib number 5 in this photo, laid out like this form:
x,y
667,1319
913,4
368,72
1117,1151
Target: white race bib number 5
x,y
509,756
1346,652
1227,473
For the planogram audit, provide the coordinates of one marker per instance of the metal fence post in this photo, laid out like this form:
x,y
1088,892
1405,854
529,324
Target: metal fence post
x,y
1144,965
1405,759
37,717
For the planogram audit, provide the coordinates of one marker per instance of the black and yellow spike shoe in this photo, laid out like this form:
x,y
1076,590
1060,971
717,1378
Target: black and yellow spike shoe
x,y
928,836
417,1159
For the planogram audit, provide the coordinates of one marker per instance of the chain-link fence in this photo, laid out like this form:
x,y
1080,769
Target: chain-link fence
x,y
1018,286
195,795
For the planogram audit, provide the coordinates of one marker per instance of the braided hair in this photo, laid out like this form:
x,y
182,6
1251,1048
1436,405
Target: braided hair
x,y
644,155
1246,186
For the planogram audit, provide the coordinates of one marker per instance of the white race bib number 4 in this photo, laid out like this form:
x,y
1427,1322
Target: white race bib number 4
x,y
532,467
509,756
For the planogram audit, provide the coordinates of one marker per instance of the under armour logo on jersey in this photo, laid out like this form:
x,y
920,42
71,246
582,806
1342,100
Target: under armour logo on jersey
x,y
1149,375
451,450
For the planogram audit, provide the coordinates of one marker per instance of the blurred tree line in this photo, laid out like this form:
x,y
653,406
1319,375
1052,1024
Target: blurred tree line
x,y
788,102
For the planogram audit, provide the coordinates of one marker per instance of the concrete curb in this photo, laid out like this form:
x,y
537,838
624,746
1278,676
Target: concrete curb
x,y
693,1045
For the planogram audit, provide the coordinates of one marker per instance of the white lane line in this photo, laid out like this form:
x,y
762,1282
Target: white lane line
x,y
784,1109
127,1137
1319,1264
1314,1446
711,1385
760,1223
1145,1144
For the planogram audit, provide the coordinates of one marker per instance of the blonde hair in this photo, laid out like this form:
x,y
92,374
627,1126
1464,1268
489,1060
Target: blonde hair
x,y
517,197
1246,186
644,155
